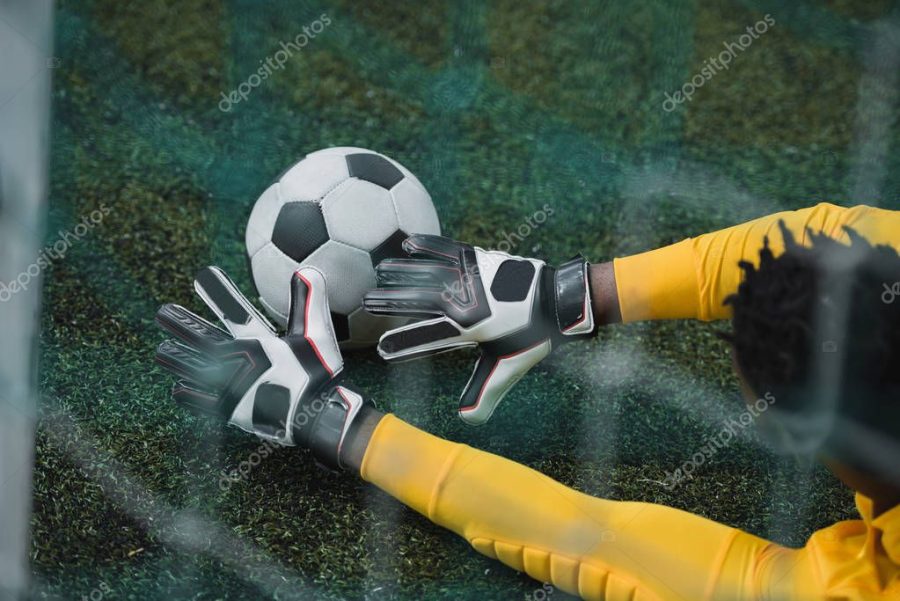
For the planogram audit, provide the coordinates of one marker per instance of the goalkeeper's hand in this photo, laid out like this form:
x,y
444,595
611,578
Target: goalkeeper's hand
x,y
279,388
516,310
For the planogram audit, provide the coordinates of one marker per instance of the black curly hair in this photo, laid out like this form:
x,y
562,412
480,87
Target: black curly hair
x,y
818,328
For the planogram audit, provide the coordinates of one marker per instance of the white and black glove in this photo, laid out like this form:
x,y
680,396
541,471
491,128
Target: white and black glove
x,y
279,388
515,309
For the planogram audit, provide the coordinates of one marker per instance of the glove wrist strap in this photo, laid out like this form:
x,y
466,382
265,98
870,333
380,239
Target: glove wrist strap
x,y
574,313
333,423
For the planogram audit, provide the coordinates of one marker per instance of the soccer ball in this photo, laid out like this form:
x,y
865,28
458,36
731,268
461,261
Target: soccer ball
x,y
341,210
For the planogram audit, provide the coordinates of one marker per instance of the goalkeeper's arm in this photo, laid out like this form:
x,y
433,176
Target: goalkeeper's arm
x,y
692,278
586,546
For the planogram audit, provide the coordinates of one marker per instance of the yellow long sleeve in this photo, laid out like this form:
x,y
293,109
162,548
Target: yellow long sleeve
x,y
692,278
617,551
590,547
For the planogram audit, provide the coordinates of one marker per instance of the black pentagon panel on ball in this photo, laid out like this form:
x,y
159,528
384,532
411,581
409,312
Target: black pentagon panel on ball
x,y
392,248
374,168
299,229
341,326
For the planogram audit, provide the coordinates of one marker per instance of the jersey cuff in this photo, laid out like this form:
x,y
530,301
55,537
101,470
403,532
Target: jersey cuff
x,y
659,284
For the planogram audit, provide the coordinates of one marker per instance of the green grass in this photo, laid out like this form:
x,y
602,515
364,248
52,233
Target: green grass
x,y
499,109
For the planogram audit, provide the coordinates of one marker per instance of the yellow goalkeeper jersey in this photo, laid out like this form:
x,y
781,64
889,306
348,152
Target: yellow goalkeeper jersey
x,y
617,551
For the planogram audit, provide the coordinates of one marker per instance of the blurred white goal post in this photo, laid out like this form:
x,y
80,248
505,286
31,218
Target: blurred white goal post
x,y
25,70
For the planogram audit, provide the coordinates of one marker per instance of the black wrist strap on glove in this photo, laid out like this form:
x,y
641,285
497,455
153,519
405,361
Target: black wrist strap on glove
x,y
570,290
334,416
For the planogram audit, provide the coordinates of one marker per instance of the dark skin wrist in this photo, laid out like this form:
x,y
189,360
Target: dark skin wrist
x,y
604,294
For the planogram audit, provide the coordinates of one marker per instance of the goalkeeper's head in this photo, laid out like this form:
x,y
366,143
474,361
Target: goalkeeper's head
x,y
816,332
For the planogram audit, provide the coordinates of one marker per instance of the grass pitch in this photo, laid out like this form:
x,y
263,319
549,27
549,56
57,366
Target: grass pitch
x,y
499,109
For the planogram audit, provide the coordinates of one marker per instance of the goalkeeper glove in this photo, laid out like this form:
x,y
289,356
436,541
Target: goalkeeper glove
x,y
516,310
280,388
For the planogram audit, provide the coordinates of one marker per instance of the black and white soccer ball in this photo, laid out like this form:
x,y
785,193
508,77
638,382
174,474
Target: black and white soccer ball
x,y
341,210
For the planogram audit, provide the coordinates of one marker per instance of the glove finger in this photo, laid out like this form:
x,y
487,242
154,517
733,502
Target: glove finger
x,y
237,313
408,302
427,246
310,317
415,273
187,362
190,328
420,339
493,377
197,399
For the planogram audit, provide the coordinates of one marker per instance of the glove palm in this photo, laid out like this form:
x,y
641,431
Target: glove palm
x,y
516,310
